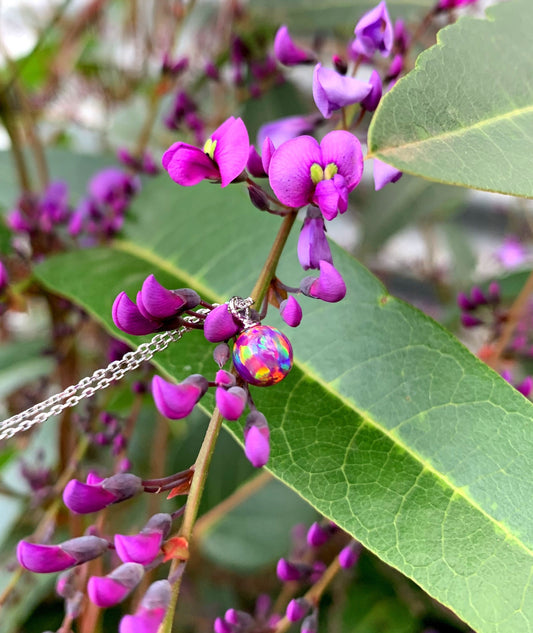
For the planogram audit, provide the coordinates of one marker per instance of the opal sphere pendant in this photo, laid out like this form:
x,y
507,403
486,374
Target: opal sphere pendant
x,y
262,355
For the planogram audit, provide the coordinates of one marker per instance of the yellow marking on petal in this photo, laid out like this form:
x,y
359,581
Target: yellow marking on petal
x,y
317,173
209,148
330,171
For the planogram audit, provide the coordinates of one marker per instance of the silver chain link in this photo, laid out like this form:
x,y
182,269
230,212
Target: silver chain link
x,y
87,387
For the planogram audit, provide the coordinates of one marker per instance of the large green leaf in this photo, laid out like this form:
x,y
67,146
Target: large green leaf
x,y
464,116
386,424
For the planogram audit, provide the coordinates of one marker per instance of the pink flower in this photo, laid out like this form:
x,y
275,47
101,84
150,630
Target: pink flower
x,y
303,171
286,50
223,157
177,401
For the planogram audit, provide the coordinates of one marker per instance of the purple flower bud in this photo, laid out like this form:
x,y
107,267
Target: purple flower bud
x,y
73,605
151,611
113,186
395,68
177,401
329,286
297,608
494,292
464,302
317,571
317,535
44,559
287,52
332,91
238,618
126,317
470,321
263,604
211,71
4,278
219,324
255,164
231,402
349,555
256,439
224,379
507,375
313,245
287,571
106,591
526,386
65,584
83,498
310,624
174,67
446,5
512,252
258,198
221,626
371,101
478,296
374,32
221,354
384,174
158,302
340,64
291,311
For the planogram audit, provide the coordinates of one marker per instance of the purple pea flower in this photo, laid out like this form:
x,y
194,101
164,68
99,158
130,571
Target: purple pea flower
x,y
151,611
332,91
256,439
284,129
177,401
291,311
374,32
287,52
371,101
96,493
44,559
106,591
385,174
222,159
303,171
313,245
114,187
329,286
145,546
231,402
219,324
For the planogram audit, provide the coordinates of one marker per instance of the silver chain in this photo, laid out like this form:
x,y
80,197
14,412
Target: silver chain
x,y
87,387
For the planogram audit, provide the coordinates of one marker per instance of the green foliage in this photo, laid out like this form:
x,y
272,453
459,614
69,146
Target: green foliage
x,y
387,424
464,115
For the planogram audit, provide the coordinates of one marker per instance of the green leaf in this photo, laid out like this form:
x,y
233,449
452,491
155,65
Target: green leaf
x,y
386,424
22,362
463,116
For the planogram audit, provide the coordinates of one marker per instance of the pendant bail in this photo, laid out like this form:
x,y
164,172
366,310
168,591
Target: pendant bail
x,y
240,309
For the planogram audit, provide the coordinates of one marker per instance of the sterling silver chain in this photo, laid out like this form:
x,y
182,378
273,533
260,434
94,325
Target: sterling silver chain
x,y
87,387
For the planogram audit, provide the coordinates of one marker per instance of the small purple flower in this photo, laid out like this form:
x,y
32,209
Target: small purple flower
x,y
303,171
256,439
349,555
291,311
44,559
177,401
512,252
332,91
4,278
402,37
255,164
469,320
384,174
284,129
223,157
174,67
106,591
145,546
374,32
371,101
151,611
395,68
288,571
526,386
329,286
317,535
231,402
313,245
219,324
287,52
114,187
297,609
96,494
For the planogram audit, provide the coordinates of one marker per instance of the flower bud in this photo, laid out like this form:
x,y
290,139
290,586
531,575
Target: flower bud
x,y
219,324
384,174
287,571
256,439
128,318
4,278
221,354
224,379
177,401
255,165
145,546
221,626
83,498
310,624
329,286
291,311
156,302
464,302
349,555
151,611
73,605
258,198
106,591
231,402
313,245
478,296
297,608
51,558
287,52
65,584
470,321
526,386
371,101
238,618
317,535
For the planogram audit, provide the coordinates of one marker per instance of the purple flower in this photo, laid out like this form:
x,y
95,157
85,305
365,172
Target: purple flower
x,y
83,498
145,546
4,278
371,101
303,171
288,571
291,311
224,379
526,386
114,187
297,608
329,286
286,50
349,555
512,252
446,5
177,401
332,91
106,591
374,32
150,612
223,157
317,535
256,439
44,559
219,324
402,38
384,174
284,129
255,164
313,245
231,402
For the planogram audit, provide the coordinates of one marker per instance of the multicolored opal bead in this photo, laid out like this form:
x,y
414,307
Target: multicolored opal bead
x,y
262,355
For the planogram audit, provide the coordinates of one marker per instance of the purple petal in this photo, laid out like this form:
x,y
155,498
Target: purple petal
x,y
138,548
255,164
332,91
232,148
330,285
145,622
287,52
317,535
257,447
219,324
224,379
187,165
43,559
343,149
85,498
231,402
127,317
105,592
266,153
296,609
284,129
289,170
371,101
374,31
329,198
287,571
312,242
174,401
384,174
291,311
349,555
158,301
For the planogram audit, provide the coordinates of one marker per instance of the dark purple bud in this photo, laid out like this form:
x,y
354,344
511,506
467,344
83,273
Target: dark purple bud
x,y
470,321
340,64
287,571
396,67
526,386
150,612
291,311
177,401
212,71
255,165
83,498
221,626
297,609
126,317
310,624
224,379
258,198
494,292
119,444
464,302
171,67
4,278
106,591
313,245
329,286
256,439
148,165
52,558
317,535
317,571
371,101
478,296
349,555
231,402
286,50
219,324
221,354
